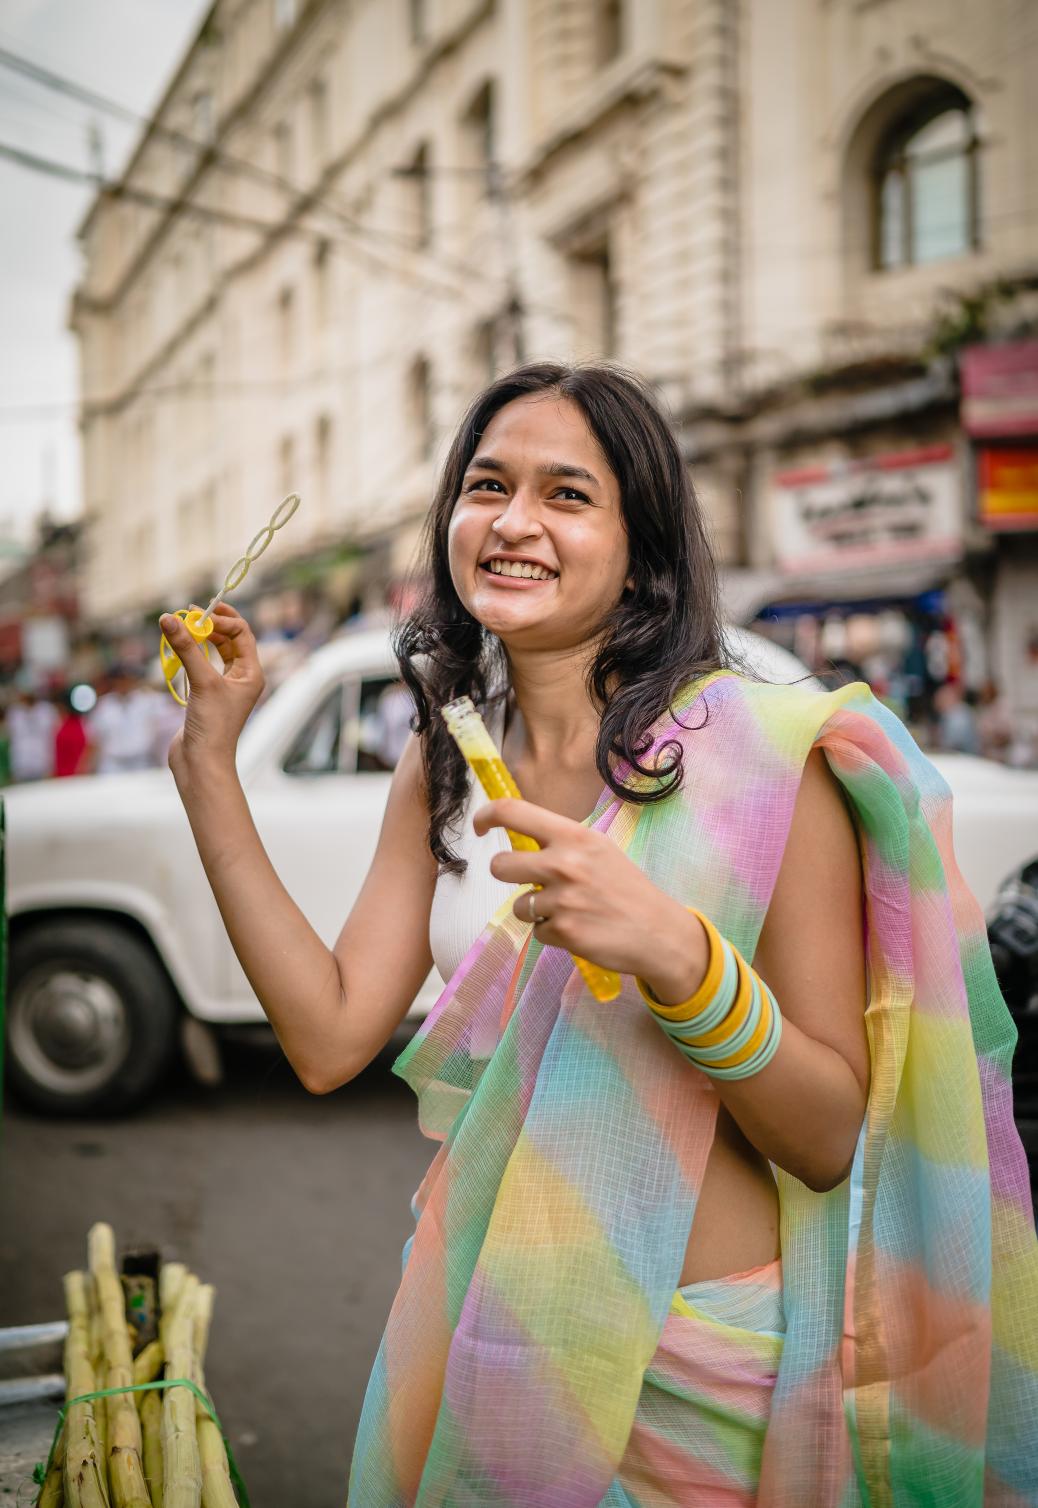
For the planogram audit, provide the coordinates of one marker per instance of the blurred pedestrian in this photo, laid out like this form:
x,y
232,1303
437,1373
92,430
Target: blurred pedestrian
x,y
31,725
71,744
994,722
122,725
167,719
956,721
392,730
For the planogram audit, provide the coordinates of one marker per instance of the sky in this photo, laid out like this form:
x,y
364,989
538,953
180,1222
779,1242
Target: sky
x,y
127,50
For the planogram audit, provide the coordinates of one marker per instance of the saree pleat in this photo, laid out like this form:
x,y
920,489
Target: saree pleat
x,y
534,1314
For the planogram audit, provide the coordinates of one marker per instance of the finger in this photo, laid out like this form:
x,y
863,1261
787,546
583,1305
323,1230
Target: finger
x,y
196,666
232,636
518,867
230,626
522,817
532,912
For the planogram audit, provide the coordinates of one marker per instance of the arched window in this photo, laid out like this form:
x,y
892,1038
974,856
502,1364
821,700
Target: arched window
x,y
926,183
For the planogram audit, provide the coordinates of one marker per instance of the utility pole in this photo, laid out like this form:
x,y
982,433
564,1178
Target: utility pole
x,y
498,194
96,147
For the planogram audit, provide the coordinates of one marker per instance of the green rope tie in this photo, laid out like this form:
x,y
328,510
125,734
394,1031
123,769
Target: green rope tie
x,y
40,1471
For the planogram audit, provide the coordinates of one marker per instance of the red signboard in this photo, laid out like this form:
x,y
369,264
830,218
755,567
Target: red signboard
x,y
1000,389
1008,488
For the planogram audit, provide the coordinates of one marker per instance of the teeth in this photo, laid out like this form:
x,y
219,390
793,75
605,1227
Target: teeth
x,y
520,568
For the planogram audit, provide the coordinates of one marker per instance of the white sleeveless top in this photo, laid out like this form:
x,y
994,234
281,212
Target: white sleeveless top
x,y
464,903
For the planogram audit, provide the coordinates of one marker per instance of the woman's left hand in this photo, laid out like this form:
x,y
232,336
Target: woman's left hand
x,y
595,902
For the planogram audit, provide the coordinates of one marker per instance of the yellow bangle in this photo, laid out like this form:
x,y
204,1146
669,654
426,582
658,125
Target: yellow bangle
x,y
697,1002
749,1048
736,1016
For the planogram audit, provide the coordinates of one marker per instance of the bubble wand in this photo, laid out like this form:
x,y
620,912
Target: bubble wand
x,y
469,732
198,623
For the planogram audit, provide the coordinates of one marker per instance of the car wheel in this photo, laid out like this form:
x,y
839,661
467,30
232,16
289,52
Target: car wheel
x,y
91,1018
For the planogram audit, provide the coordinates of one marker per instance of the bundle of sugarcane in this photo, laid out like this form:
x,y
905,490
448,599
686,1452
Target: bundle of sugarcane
x,y
159,1448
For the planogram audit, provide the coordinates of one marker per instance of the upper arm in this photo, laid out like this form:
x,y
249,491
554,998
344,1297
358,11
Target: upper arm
x,y
383,950
811,949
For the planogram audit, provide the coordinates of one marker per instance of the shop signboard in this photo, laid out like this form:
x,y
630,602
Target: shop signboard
x,y
1007,487
876,511
1000,389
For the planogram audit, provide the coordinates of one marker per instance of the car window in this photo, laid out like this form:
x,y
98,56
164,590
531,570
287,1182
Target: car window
x,y
318,747
383,723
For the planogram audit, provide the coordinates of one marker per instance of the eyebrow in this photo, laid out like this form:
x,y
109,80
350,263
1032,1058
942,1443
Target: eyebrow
x,y
553,468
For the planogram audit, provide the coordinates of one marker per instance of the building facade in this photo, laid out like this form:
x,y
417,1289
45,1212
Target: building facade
x,y
793,216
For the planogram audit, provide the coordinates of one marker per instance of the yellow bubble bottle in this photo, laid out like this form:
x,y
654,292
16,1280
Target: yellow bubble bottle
x,y
470,733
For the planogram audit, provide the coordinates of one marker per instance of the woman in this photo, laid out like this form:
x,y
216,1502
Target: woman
x,y
71,745
653,1264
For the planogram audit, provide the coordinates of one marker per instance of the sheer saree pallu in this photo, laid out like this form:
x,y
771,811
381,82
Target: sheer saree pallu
x,y
552,1224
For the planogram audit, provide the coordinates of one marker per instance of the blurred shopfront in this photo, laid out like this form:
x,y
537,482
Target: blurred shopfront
x,y
870,576
1000,417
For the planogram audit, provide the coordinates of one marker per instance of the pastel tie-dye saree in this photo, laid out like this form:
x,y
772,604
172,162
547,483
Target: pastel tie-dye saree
x,y
553,1221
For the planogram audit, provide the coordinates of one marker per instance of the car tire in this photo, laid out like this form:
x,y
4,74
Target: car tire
x,y
91,1018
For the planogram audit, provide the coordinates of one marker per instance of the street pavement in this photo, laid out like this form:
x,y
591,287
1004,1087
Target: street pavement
x,y
295,1207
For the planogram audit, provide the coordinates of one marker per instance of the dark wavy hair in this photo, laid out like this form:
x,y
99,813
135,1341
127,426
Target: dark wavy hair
x,y
663,632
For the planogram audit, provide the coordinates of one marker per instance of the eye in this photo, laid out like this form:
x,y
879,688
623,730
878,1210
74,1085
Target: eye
x,y
484,484
571,495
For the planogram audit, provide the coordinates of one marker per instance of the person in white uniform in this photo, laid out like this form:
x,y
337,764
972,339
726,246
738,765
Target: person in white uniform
x,y
122,725
32,723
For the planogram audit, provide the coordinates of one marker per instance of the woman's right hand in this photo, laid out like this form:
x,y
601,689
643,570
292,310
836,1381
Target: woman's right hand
x,y
217,705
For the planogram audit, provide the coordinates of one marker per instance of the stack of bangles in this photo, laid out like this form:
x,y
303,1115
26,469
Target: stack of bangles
x,y
731,1027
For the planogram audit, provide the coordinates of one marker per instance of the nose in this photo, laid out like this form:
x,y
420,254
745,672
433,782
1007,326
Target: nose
x,y
518,518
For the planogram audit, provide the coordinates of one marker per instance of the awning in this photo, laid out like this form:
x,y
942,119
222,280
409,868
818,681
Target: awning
x,y
745,593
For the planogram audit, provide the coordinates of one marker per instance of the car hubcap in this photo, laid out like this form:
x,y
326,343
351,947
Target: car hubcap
x,y
69,1029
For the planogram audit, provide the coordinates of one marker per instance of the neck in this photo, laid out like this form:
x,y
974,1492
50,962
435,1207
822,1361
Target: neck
x,y
559,719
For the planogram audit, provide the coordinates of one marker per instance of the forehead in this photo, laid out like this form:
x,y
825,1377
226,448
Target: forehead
x,y
544,426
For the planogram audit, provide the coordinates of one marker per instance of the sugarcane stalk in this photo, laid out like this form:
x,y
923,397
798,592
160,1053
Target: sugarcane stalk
x,y
217,1491
171,1278
146,1367
125,1469
181,1465
151,1429
200,1337
97,1339
52,1493
84,1474
97,1358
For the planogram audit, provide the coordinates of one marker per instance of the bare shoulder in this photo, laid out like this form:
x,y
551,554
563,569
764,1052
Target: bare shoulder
x,y
821,793
811,948
821,863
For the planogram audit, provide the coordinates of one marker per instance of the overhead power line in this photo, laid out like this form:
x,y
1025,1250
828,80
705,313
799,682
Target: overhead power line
x,y
61,84
118,190
71,88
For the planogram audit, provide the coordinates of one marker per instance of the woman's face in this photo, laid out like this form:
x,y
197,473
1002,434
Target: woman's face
x,y
537,547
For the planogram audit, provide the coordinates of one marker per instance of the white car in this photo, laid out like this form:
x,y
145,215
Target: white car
x,y
116,944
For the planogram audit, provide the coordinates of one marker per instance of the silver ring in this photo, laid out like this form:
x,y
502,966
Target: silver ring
x,y
531,910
